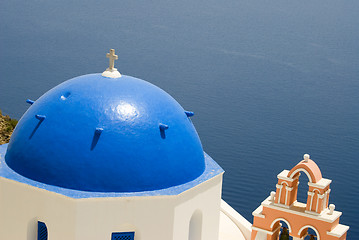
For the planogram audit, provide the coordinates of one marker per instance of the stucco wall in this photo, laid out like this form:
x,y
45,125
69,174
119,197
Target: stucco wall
x,y
151,217
206,200
21,206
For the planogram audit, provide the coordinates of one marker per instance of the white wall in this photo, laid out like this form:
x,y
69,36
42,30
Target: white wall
x,y
154,217
21,206
205,198
148,217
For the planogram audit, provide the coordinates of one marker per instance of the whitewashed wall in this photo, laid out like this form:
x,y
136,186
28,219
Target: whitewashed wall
x,y
21,206
154,217
205,200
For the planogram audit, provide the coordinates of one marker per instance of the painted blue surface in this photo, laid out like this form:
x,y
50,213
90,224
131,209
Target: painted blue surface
x,y
212,169
123,236
101,134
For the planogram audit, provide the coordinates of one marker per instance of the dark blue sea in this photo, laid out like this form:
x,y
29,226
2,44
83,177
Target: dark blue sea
x,y
268,80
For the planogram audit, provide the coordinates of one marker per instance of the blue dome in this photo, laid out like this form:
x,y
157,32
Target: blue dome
x,y
94,133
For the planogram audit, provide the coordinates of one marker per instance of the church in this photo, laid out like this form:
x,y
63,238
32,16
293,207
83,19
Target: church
x,y
113,157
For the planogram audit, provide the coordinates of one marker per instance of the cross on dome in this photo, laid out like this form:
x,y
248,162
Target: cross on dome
x,y
111,71
112,56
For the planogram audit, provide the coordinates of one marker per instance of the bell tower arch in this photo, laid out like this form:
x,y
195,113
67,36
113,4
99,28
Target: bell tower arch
x,y
283,205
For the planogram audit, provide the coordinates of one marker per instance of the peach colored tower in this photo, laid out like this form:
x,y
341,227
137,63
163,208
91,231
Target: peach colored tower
x,y
282,205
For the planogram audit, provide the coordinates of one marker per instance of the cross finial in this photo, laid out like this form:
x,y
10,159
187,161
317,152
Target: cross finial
x,y
111,71
112,56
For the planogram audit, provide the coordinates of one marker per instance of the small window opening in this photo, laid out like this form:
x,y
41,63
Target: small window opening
x,y
123,236
41,231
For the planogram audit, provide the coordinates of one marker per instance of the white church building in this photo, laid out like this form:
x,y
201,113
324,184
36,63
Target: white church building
x,y
111,157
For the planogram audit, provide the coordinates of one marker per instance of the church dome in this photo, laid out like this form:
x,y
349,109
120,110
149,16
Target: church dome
x,y
103,134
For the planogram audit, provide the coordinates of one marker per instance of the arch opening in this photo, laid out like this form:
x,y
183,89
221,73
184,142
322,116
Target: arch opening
x,y
302,192
298,171
41,231
282,229
195,226
309,233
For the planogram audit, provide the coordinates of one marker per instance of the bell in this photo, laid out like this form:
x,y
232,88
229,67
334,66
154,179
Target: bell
x,y
284,234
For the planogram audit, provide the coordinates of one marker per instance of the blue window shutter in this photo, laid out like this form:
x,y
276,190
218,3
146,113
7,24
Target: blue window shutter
x,y
123,236
41,231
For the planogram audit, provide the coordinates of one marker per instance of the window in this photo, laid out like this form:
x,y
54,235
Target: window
x,y
123,236
41,231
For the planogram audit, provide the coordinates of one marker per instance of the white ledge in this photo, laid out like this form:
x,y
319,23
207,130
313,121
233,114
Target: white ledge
x,y
284,176
338,231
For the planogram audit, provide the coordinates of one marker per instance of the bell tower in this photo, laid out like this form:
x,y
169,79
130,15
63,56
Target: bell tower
x,y
282,206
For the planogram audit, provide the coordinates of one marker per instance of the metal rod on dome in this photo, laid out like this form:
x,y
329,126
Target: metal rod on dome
x,y
29,101
96,137
41,118
163,127
189,114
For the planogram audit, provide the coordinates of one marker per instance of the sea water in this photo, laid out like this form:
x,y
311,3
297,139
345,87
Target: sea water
x,y
268,80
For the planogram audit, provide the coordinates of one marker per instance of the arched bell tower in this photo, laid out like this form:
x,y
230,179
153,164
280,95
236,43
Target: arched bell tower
x,y
319,187
282,205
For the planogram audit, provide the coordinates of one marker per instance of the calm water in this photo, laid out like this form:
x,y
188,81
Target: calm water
x,y
267,80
